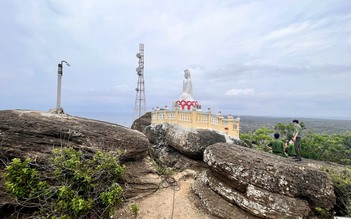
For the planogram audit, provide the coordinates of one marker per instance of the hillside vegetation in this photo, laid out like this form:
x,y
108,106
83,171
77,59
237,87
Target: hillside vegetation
x,y
334,148
325,147
320,126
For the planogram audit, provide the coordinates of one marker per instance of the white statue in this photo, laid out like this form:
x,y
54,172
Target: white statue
x,y
187,92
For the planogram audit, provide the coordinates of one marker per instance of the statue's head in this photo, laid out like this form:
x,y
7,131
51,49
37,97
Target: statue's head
x,y
186,73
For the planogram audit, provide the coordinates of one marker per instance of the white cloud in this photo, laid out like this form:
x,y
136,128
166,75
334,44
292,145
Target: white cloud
x,y
293,29
275,52
240,92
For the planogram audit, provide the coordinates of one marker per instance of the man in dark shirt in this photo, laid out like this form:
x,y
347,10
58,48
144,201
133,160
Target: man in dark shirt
x,y
297,139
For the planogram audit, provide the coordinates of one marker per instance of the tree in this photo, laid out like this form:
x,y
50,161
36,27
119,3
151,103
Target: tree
x,y
286,131
258,139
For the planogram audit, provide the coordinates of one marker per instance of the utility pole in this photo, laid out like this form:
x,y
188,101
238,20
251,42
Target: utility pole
x,y
140,101
59,109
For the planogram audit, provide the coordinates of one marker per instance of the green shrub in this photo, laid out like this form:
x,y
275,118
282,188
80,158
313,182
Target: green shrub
x,y
72,185
342,187
322,213
161,169
23,181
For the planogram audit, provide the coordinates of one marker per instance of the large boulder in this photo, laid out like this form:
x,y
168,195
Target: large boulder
x,y
263,184
156,133
142,122
35,134
26,133
191,143
141,178
167,155
180,147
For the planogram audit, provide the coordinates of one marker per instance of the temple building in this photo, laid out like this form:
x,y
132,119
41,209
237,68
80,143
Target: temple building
x,y
186,112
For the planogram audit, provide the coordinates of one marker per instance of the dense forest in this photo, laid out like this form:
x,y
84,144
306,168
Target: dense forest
x,y
319,126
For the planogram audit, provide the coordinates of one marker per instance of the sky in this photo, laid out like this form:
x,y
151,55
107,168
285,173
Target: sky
x,y
246,57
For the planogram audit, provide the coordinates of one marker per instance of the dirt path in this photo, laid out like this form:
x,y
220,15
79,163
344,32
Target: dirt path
x,y
172,202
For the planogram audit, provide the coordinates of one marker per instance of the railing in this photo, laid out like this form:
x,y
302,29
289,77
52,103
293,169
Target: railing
x,y
197,120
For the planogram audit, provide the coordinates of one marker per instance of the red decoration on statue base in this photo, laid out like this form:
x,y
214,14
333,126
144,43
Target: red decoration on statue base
x,y
187,104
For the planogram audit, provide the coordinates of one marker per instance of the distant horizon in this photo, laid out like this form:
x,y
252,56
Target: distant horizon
x,y
128,116
304,117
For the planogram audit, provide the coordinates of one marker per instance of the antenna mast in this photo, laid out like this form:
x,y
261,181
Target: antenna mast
x,y
140,101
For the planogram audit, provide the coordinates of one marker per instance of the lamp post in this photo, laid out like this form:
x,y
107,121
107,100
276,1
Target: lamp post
x,y
59,79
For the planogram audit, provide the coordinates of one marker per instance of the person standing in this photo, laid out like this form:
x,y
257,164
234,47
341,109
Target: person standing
x,y
297,139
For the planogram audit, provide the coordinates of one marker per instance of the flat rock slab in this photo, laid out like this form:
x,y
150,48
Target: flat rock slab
x,y
257,201
261,184
25,133
245,166
215,204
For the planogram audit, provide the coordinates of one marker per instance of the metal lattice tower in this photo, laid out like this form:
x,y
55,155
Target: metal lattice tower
x,y
140,101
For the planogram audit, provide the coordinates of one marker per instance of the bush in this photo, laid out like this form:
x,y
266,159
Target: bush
x,y
333,148
72,185
22,181
342,187
258,139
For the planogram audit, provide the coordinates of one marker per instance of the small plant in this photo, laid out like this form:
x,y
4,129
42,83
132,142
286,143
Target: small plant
x,y
135,209
322,213
161,169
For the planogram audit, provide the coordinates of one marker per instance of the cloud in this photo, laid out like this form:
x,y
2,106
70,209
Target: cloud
x,y
293,29
240,92
241,58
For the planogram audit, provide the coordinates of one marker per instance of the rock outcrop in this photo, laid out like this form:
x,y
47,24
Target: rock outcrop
x,y
141,178
163,152
191,143
35,134
216,205
141,123
262,184
238,182
179,147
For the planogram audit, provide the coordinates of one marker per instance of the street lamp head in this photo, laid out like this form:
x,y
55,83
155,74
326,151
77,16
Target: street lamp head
x,y
63,61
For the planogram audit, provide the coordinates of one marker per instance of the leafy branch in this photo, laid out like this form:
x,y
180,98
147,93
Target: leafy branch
x,y
71,185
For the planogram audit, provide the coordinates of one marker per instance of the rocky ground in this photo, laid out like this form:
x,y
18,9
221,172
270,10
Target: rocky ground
x,y
177,201
171,201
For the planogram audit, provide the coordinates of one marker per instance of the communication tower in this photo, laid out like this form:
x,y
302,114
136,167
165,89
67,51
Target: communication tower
x,y
140,101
